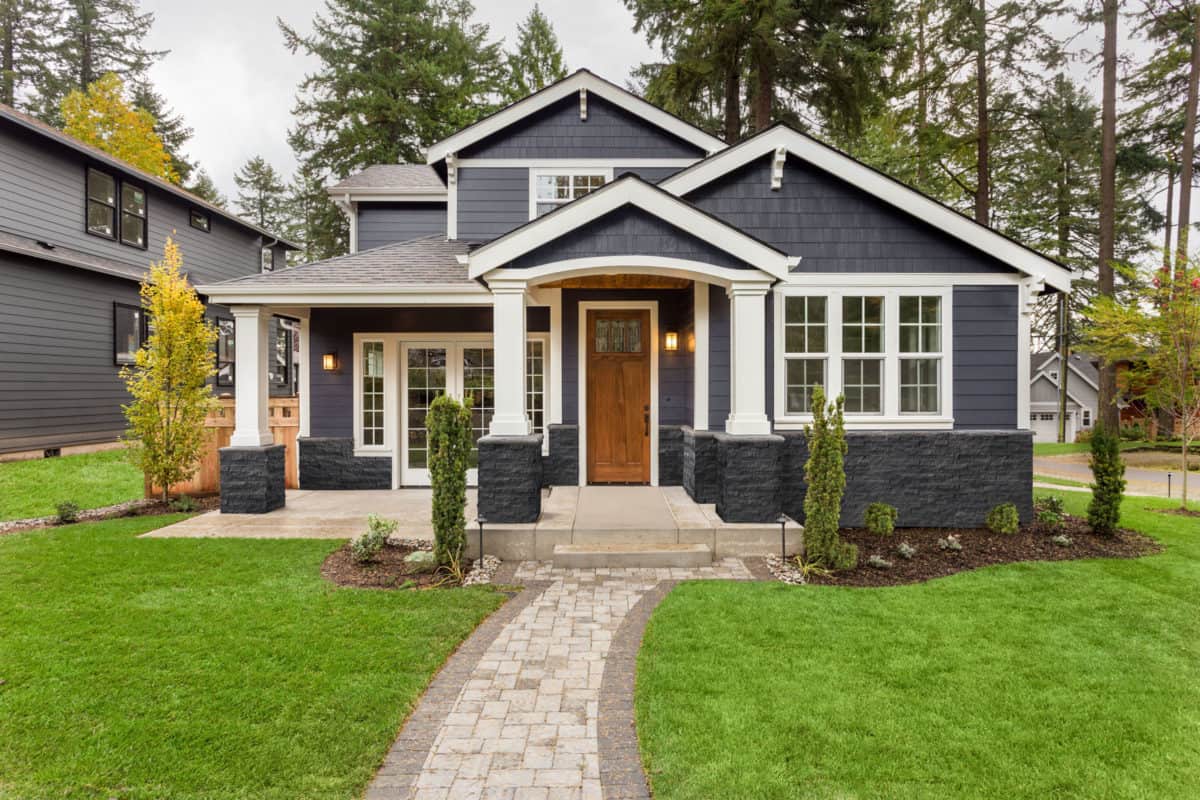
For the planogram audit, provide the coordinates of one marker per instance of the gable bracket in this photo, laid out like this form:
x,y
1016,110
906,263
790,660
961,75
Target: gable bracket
x,y
583,104
451,169
777,168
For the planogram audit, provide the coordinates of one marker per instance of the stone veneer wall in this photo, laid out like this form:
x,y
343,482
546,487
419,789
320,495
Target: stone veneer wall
x,y
510,478
670,455
700,473
253,479
561,466
330,463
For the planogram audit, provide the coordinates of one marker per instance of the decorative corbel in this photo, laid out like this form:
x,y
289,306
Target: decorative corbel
x,y
583,104
1033,289
777,168
451,168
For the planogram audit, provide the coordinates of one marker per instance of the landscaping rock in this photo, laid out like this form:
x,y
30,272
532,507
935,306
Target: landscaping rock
x,y
482,571
421,561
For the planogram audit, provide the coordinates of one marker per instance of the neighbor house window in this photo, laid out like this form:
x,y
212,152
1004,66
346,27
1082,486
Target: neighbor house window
x,y
225,352
133,215
101,204
920,354
372,394
268,259
1087,418
805,351
200,221
551,190
129,332
535,384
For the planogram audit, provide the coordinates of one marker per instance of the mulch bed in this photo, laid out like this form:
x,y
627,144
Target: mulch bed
x,y
386,571
980,548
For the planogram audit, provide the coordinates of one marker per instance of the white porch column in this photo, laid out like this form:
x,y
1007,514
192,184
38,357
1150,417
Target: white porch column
x,y
251,337
508,342
747,356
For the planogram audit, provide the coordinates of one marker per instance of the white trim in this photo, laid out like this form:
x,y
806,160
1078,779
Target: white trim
x,y
565,88
700,387
588,163
318,295
583,104
1025,308
747,354
384,194
892,417
553,299
582,336
307,362
632,265
452,211
1034,404
548,373
917,279
881,186
633,191
567,168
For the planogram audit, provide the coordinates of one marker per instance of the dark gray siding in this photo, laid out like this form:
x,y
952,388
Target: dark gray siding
x,y
491,201
833,226
628,231
675,370
332,330
648,174
718,358
985,357
385,223
42,197
557,132
58,383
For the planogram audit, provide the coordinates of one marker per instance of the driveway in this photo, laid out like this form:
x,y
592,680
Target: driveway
x,y
1151,482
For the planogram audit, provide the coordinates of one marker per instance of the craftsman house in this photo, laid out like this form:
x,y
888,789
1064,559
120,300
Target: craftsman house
x,y
78,230
626,299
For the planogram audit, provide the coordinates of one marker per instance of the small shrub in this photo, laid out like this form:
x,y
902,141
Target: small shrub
x,y
449,424
184,504
879,562
1003,519
951,542
1108,482
366,545
880,519
1062,540
810,569
825,475
844,556
1052,503
1083,437
66,512
421,561
906,551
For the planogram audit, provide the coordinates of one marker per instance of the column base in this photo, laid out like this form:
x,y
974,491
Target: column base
x,y
252,479
748,425
510,478
509,426
748,477
700,479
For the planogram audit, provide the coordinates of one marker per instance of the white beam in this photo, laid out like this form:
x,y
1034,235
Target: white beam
x,y
747,355
700,357
251,418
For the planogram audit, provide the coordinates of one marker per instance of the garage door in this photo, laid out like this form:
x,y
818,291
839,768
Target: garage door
x,y
1045,427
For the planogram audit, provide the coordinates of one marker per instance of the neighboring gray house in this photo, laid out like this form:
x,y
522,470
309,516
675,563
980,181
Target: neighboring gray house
x,y
78,230
626,299
1083,395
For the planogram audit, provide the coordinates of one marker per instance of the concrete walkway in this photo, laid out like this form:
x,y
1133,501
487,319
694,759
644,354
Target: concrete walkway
x,y
538,703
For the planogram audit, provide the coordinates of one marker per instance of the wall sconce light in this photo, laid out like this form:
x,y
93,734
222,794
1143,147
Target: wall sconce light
x,y
672,343
329,362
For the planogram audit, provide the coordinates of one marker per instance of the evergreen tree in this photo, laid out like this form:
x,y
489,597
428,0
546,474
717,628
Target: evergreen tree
x,y
261,195
169,126
27,28
1108,481
538,60
203,187
314,222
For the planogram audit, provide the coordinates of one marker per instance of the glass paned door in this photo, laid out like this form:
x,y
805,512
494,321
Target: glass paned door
x,y
425,378
479,387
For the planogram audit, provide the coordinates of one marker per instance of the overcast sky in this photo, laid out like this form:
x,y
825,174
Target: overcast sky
x,y
230,76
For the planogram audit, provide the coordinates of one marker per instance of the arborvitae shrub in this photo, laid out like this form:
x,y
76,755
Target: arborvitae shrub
x,y
1108,482
880,519
826,477
1004,519
449,425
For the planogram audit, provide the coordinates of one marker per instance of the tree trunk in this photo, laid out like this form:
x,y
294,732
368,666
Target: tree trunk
x,y
1183,491
1063,212
733,102
982,132
1110,415
922,96
1168,218
8,67
764,89
1187,153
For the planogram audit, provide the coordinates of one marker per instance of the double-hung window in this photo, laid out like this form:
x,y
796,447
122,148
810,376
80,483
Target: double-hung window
x,y
101,204
129,332
863,358
805,347
553,188
133,215
920,354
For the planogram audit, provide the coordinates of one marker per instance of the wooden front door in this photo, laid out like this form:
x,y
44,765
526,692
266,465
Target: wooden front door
x,y
618,396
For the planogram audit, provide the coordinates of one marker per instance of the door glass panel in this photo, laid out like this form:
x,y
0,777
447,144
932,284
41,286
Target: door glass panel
x,y
479,391
618,336
426,376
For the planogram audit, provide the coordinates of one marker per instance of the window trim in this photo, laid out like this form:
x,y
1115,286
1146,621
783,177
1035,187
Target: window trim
x,y
195,212
121,212
115,208
143,332
562,169
891,417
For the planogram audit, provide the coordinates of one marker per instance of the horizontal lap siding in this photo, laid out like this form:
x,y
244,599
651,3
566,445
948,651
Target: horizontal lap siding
x,y
985,357
557,132
491,201
385,223
833,226
42,197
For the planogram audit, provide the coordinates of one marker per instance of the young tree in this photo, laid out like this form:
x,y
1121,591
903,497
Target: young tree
x,y
825,475
168,382
538,59
103,118
1157,333
261,196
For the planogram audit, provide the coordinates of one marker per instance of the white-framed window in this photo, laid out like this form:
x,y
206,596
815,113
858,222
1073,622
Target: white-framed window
x,y
537,356
552,187
1087,418
371,395
883,348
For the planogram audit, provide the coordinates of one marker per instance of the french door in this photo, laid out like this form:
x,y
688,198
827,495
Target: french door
x,y
464,370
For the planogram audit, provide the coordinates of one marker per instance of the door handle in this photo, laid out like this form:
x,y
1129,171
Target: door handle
x,y
646,418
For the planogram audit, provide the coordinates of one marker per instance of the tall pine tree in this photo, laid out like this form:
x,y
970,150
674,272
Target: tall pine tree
x,y
202,186
261,196
27,31
169,126
538,60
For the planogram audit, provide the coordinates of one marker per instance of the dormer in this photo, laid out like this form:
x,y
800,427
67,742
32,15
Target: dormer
x,y
389,203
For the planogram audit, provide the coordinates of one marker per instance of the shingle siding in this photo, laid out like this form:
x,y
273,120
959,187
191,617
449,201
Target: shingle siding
x,y
557,132
386,223
985,357
491,201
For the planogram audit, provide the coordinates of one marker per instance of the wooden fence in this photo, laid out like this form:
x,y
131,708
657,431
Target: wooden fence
x,y
285,427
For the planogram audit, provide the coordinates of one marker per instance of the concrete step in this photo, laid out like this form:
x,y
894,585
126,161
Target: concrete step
x,y
629,554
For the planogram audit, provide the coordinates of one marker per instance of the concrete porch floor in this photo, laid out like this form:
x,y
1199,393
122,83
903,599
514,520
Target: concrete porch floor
x,y
591,515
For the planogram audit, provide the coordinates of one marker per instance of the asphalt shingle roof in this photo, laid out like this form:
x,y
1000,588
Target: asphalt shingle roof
x,y
46,251
417,177
429,260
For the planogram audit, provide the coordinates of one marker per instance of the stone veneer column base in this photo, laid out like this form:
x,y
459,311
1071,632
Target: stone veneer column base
x,y
670,455
749,469
561,466
252,479
700,465
510,478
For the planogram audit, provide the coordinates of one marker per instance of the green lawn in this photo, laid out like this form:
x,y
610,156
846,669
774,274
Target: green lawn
x,y
1058,481
183,668
34,488
1065,680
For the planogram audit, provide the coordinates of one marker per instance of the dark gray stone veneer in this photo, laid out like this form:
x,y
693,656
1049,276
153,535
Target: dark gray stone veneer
x,y
252,479
700,477
749,472
330,463
510,478
561,466
670,455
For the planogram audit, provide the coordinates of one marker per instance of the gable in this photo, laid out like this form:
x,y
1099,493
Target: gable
x,y
628,231
834,226
558,132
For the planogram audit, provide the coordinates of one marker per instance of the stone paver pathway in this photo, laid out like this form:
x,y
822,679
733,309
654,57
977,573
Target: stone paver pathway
x,y
527,722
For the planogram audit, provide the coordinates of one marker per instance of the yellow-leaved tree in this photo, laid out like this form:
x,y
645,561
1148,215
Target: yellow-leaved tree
x,y
103,118
169,378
